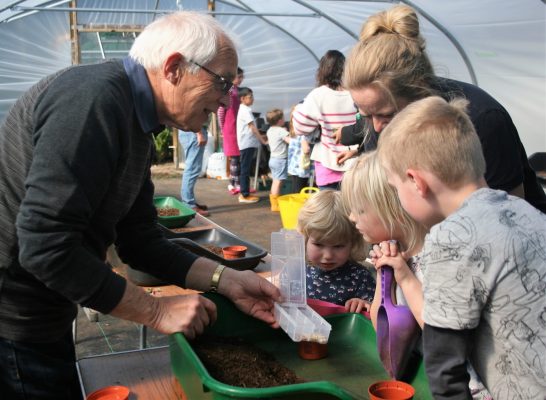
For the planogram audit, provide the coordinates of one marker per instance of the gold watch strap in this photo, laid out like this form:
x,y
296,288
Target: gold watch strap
x,y
215,280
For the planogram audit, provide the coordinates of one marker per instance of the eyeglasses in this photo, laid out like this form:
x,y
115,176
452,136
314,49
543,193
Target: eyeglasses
x,y
223,84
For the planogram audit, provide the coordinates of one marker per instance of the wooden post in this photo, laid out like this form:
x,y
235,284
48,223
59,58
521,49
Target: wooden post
x,y
213,125
74,37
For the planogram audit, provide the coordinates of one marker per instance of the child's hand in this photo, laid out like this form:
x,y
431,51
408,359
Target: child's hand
x,y
305,147
357,305
392,257
386,247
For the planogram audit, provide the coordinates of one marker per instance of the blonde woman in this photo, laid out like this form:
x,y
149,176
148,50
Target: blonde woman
x,y
389,68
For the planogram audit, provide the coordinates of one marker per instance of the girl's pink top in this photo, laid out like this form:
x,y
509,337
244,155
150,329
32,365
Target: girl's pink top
x,y
229,129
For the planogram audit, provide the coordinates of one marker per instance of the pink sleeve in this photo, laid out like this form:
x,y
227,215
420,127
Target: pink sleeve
x,y
304,124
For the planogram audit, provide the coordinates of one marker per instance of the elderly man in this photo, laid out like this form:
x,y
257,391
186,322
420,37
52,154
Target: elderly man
x,y
75,156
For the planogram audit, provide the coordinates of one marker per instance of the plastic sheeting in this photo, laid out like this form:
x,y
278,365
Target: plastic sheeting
x,y
503,42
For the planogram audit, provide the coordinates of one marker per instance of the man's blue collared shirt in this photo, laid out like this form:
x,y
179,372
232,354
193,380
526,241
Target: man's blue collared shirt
x,y
143,96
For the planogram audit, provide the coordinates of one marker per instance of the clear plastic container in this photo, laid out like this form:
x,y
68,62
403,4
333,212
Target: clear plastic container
x,y
295,317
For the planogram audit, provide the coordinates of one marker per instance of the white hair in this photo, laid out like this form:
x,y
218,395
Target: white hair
x,y
195,35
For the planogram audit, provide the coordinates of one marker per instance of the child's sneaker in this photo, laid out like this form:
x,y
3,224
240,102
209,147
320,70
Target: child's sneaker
x,y
233,189
248,199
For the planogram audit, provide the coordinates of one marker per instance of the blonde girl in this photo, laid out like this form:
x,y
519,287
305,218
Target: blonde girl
x,y
376,211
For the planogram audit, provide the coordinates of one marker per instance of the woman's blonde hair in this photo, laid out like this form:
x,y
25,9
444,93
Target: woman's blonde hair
x,y
365,189
390,55
436,136
323,217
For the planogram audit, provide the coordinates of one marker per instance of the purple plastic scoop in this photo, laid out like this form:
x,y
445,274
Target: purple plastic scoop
x,y
397,329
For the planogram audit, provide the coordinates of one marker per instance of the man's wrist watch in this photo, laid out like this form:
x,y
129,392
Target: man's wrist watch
x,y
215,280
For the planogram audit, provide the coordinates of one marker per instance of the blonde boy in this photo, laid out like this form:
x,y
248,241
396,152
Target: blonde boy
x,y
484,259
278,139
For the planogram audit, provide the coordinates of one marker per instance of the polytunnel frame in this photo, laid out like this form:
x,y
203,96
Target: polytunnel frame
x,y
245,7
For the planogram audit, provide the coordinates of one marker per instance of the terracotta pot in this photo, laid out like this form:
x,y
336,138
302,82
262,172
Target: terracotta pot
x,y
231,252
312,350
391,390
110,393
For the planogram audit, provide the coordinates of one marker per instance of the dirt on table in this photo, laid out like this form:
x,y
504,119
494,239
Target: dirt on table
x,y
236,362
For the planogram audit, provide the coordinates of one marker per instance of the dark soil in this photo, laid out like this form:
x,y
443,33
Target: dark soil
x,y
238,363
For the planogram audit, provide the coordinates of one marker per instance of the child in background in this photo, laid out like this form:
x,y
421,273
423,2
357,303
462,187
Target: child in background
x,y
484,259
249,139
227,118
300,166
278,139
380,218
332,247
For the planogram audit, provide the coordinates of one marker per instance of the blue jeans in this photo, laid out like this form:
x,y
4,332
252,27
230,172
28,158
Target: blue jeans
x,y
39,370
194,161
234,170
247,155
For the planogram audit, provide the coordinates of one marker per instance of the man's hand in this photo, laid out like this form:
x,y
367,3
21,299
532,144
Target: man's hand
x,y
187,314
251,294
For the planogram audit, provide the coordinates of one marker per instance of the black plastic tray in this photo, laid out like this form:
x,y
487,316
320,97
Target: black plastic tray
x,y
195,240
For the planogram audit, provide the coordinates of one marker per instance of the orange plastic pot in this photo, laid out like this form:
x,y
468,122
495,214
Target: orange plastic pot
x,y
312,350
231,252
391,390
110,393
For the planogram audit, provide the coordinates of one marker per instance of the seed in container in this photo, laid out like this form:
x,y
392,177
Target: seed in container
x,y
168,211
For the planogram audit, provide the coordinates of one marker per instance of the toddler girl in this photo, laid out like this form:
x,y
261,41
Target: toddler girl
x,y
333,246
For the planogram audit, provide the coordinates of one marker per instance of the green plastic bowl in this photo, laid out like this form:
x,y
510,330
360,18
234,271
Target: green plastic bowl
x,y
351,366
175,221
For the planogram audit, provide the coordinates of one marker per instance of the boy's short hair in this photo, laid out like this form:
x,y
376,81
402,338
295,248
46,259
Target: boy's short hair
x,y
244,91
240,71
436,136
323,217
274,116
365,189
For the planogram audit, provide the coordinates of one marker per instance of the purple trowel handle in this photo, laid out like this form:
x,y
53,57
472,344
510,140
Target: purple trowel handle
x,y
387,279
